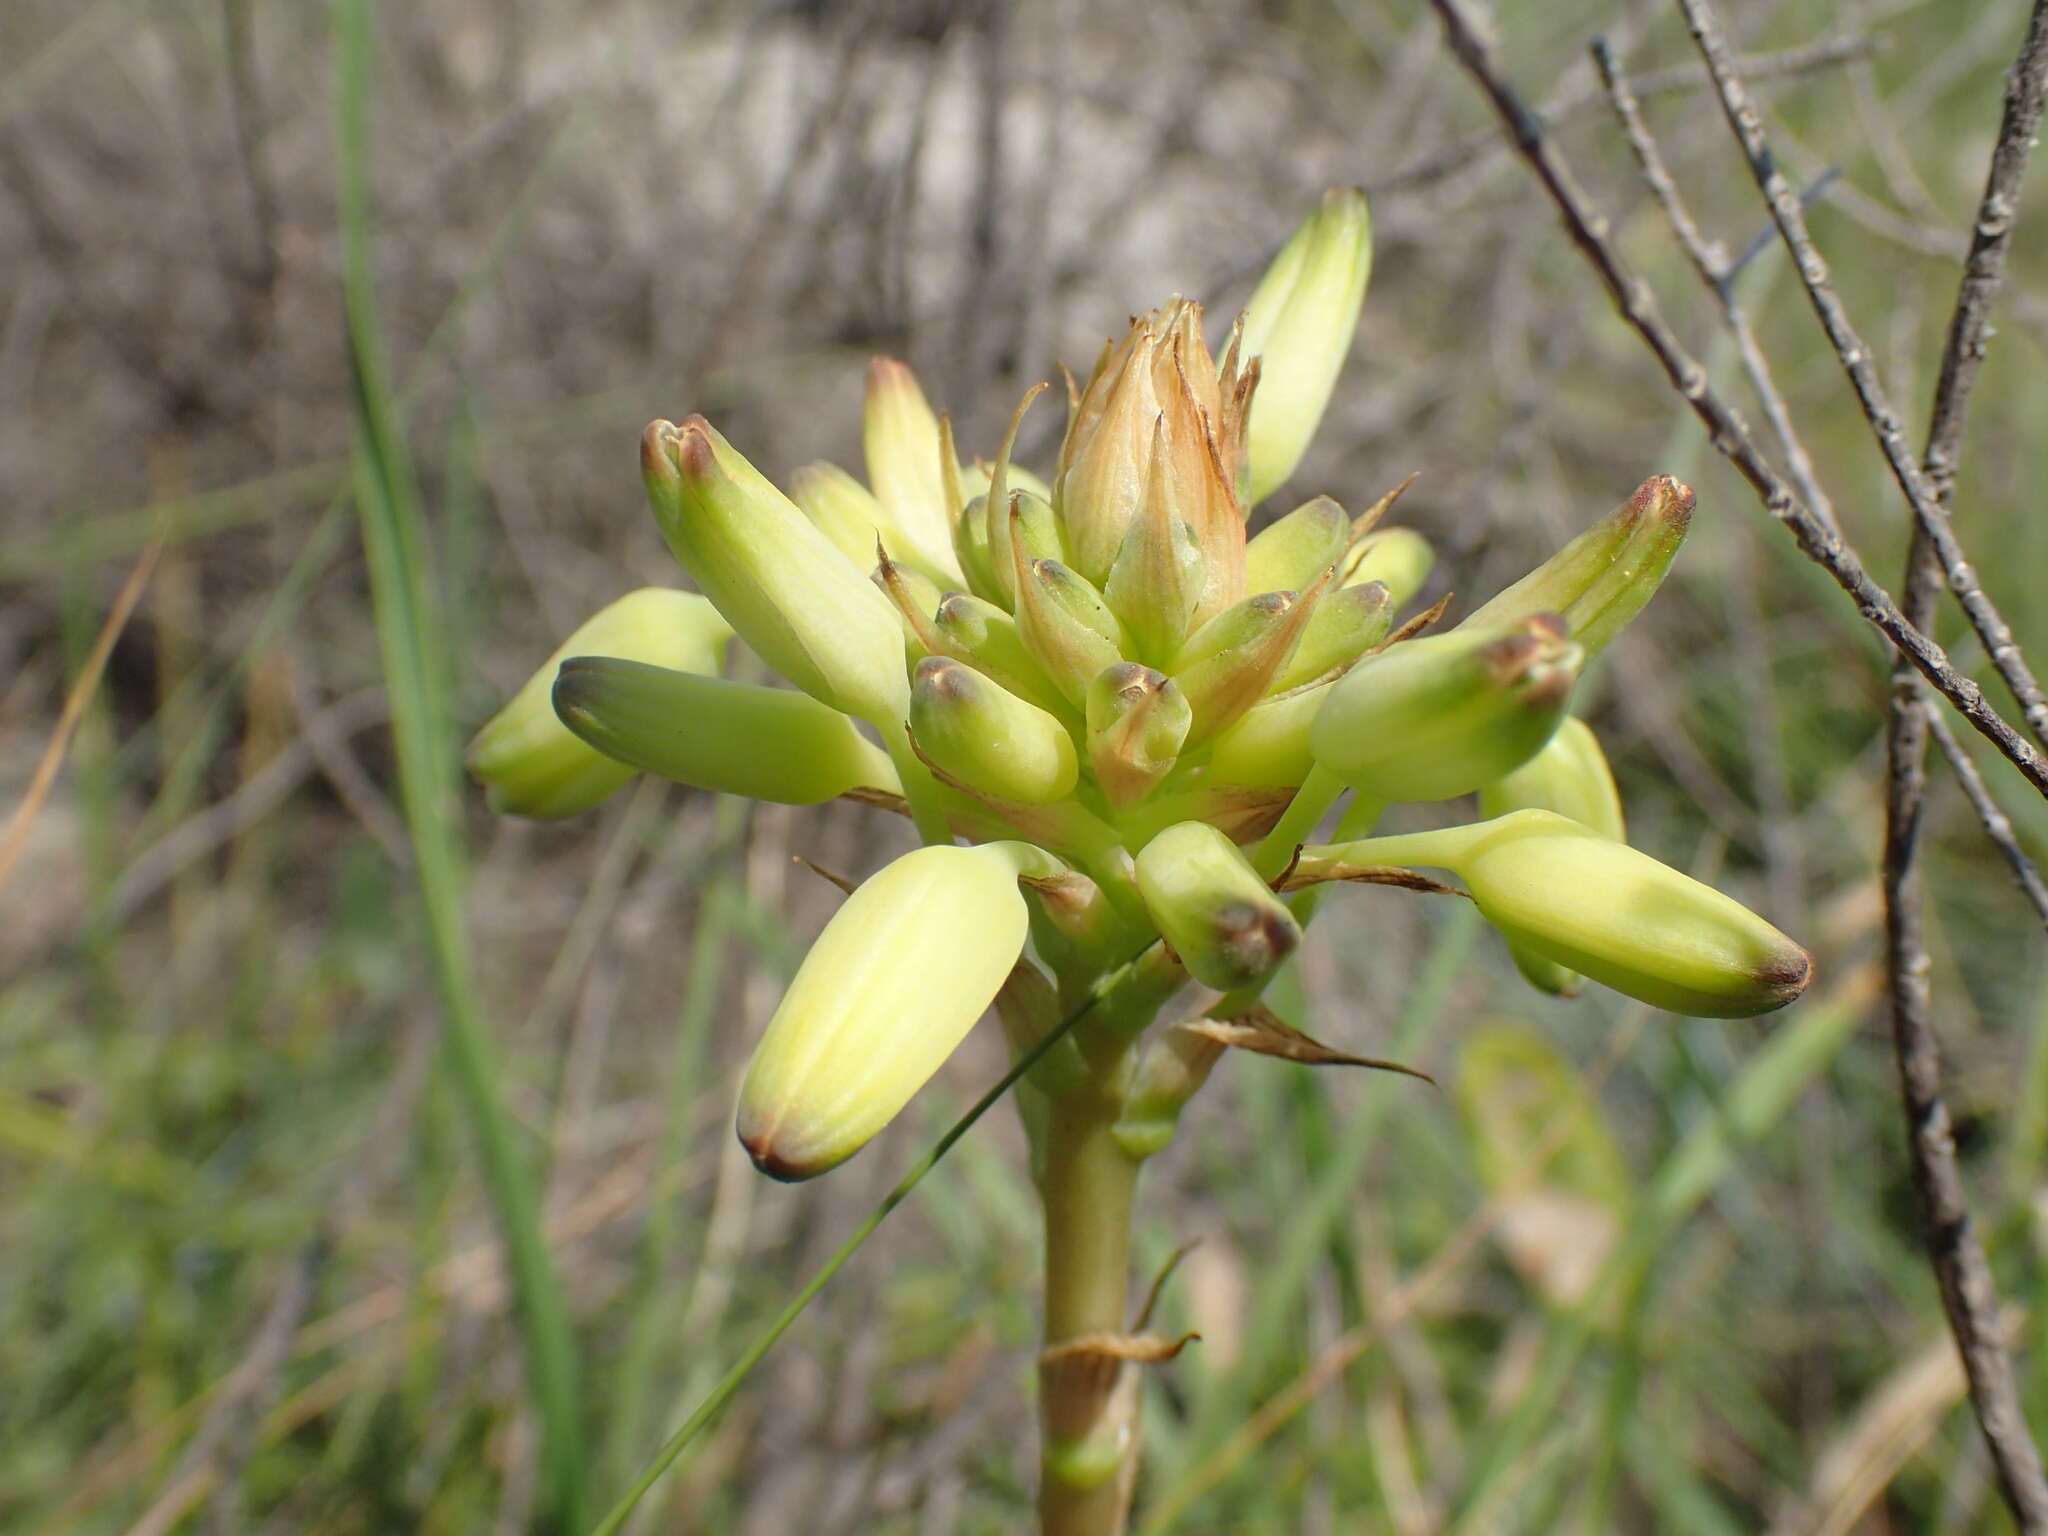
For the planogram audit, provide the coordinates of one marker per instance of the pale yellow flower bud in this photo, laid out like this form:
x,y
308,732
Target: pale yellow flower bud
x,y
732,738
890,988
1299,326
906,463
529,763
807,610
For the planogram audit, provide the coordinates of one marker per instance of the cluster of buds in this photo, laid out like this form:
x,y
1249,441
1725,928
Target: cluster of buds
x,y
1134,714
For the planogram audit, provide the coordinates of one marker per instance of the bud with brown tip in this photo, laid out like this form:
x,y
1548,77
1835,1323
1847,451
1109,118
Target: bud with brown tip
x,y
1224,922
1435,718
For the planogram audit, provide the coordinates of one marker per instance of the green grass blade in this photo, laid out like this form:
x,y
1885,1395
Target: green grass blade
x,y
415,675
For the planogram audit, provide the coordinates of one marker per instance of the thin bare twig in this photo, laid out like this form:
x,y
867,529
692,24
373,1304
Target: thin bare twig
x,y
1730,435
1968,1293
1717,271
1994,219
1997,825
1826,53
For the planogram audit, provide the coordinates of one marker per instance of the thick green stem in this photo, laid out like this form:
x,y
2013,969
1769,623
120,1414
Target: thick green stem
x,y
1318,792
920,789
1089,1414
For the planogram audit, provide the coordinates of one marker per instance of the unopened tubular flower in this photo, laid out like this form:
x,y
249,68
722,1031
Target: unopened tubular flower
x,y
985,738
529,763
1224,922
1299,326
1292,551
1601,908
1399,557
803,606
1270,744
974,630
1569,777
1138,722
1435,718
733,738
1066,625
905,464
1344,626
1602,578
890,988
851,516
1629,922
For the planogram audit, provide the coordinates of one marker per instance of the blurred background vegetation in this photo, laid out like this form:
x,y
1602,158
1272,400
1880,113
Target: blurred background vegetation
x,y
248,1278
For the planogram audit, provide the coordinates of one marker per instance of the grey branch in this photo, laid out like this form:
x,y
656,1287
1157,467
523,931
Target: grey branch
x,y
1997,826
1967,1288
1725,427
1930,516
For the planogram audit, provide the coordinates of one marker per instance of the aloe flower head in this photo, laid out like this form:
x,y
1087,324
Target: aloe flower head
x,y
1129,708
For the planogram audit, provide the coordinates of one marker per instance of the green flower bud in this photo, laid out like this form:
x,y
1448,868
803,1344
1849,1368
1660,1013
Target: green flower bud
x,y
1036,531
1569,776
1066,625
1174,1065
1602,578
732,738
1599,907
1270,743
976,631
1137,721
848,514
1299,326
890,988
1292,552
1344,626
977,732
986,575
1230,663
806,609
1434,718
529,764
906,462
1224,922
976,477
1400,557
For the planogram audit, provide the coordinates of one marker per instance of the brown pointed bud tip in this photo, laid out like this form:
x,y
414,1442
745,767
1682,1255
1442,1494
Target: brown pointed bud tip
x,y
943,678
1664,497
1538,661
761,1148
1786,975
694,455
658,454
1253,939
